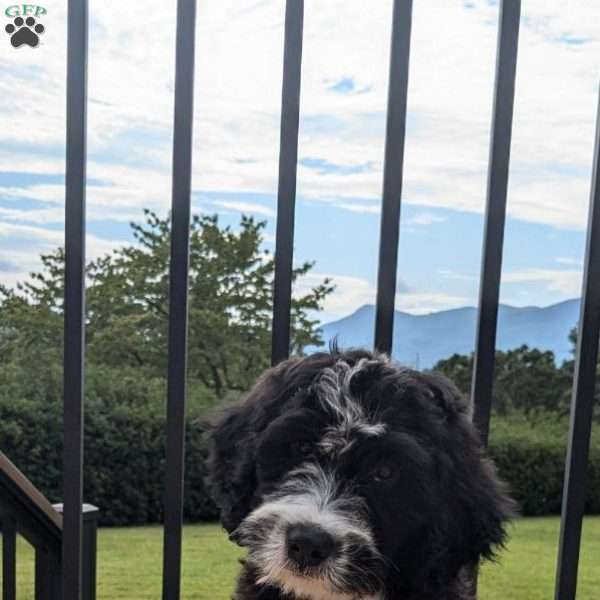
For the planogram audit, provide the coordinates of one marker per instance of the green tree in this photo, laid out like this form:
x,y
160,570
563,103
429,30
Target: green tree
x,y
230,306
525,379
459,368
568,369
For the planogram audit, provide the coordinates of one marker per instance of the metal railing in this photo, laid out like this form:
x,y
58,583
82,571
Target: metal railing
x,y
587,348
25,511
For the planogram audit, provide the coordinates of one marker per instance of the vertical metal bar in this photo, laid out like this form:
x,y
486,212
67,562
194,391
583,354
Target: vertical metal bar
x,y
9,558
89,554
47,576
41,575
495,214
74,296
582,403
393,169
90,551
288,163
178,295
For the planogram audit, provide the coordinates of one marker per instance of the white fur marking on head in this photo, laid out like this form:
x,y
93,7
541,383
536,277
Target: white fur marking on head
x,y
309,496
333,388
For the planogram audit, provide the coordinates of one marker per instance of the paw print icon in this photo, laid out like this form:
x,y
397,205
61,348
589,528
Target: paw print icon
x,y
24,32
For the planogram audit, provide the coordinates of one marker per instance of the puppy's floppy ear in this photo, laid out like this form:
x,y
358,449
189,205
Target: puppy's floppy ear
x,y
479,503
232,461
489,508
231,466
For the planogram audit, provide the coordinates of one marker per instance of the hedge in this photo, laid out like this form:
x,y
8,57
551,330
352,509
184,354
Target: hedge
x,y
534,472
124,460
124,455
530,457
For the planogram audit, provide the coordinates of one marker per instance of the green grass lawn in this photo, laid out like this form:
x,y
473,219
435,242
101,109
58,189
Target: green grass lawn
x,y
130,564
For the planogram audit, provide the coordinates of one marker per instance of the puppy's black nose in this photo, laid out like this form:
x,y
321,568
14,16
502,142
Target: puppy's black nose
x,y
309,545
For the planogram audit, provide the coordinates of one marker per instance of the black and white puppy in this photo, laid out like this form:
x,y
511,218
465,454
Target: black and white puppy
x,y
348,477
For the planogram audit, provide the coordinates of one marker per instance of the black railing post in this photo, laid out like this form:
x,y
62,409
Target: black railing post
x,y
48,582
288,164
74,296
393,169
495,215
89,549
178,296
9,558
582,403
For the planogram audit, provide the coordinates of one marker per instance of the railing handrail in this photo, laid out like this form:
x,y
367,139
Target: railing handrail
x,y
26,511
19,495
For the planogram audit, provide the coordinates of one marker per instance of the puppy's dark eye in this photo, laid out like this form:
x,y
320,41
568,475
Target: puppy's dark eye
x,y
305,448
383,472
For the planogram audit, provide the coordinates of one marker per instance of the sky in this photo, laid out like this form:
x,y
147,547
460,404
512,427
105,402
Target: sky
x,y
341,147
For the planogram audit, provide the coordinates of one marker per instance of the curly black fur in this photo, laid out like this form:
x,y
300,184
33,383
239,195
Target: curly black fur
x,y
429,523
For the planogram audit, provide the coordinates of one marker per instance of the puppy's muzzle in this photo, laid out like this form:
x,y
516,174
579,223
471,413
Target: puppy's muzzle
x,y
308,545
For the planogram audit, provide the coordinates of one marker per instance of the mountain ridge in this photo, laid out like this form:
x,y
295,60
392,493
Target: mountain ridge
x,y
421,340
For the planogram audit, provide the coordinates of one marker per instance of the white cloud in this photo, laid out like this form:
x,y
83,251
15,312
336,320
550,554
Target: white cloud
x,y
359,207
455,275
421,303
424,218
236,128
561,201
38,216
22,245
571,262
352,292
244,207
238,86
567,282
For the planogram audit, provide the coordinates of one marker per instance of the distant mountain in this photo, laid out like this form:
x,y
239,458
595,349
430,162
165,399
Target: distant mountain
x,y
422,340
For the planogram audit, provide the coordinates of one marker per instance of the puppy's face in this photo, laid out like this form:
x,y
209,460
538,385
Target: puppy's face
x,y
348,477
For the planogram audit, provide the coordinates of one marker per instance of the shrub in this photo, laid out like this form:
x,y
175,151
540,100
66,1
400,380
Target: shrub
x,y
125,453
530,457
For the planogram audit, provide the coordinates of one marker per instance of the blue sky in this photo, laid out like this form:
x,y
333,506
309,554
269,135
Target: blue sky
x,y
344,89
